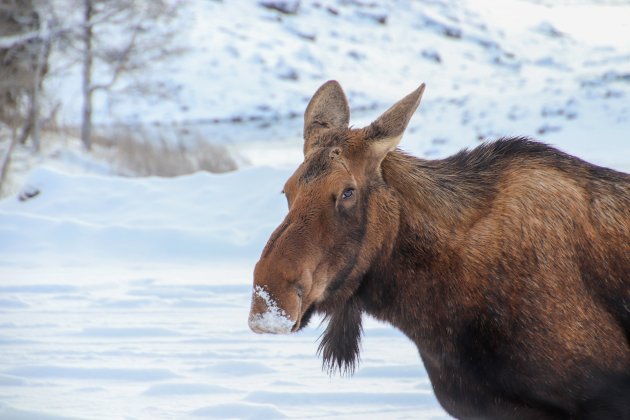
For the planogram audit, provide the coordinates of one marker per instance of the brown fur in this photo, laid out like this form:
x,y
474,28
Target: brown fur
x,y
508,265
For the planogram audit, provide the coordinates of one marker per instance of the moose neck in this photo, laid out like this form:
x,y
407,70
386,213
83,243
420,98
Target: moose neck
x,y
445,195
439,201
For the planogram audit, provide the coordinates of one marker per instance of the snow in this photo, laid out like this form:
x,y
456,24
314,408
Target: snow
x,y
113,217
274,320
129,297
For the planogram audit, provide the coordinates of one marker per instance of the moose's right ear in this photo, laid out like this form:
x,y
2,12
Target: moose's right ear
x,y
328,108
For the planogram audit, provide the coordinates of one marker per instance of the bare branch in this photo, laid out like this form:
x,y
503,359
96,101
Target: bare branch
x,y
120,67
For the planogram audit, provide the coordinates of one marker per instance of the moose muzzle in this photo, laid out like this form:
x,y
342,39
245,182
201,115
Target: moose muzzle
x,y
267,316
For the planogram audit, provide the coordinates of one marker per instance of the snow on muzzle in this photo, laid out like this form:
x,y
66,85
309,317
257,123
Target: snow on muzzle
x,y
266,316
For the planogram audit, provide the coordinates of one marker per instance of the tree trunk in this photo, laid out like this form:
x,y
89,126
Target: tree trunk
x,y
32,123
42,58
28,122
6,159
86,115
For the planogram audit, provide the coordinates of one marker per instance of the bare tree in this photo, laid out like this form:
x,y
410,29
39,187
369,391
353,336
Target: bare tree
x,y
24,50
113,41
121,38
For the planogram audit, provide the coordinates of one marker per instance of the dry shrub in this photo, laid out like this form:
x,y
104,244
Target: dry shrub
x,y
136,156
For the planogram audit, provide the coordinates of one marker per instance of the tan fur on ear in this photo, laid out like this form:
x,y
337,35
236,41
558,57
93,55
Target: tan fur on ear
x,y
385,132
328,108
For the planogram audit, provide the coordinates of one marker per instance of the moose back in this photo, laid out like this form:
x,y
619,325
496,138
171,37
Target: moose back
x,y
508,265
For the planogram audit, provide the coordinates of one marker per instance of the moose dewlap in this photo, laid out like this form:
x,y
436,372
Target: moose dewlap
x,y
508,265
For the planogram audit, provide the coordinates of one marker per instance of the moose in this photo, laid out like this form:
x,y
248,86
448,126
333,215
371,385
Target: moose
x,y
507,265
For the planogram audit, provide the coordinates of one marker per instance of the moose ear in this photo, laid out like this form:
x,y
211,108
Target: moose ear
x,y
384,134
328,108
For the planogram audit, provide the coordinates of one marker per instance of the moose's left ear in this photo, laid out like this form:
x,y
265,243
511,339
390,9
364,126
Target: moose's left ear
x,y
385,132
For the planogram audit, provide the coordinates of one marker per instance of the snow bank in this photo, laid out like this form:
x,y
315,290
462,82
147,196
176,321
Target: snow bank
x,y
195,217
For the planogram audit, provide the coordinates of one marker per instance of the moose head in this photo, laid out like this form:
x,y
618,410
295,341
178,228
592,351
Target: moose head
x,y
341,213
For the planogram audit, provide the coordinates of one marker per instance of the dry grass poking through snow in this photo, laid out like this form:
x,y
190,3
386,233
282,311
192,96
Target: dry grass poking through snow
x,y
134,155
121,152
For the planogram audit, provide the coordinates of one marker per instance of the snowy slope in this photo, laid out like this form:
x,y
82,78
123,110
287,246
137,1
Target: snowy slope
x,y
549,70
492,68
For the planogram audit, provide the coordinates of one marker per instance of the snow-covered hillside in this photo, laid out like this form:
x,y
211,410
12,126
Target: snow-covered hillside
x,y
550,70
128,297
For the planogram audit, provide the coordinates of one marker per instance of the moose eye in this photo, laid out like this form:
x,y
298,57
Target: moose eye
x,y
347,193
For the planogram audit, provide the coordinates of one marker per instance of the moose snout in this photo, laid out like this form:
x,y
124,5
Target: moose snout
x,y
267,316
282,280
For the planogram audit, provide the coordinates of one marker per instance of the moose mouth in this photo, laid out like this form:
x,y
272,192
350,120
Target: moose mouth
x,y
303,321
303,316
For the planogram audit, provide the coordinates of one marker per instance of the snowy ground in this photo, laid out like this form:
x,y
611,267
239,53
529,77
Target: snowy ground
x,y
128,298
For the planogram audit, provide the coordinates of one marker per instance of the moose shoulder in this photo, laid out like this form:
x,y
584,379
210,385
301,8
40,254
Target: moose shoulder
x,y
508,265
